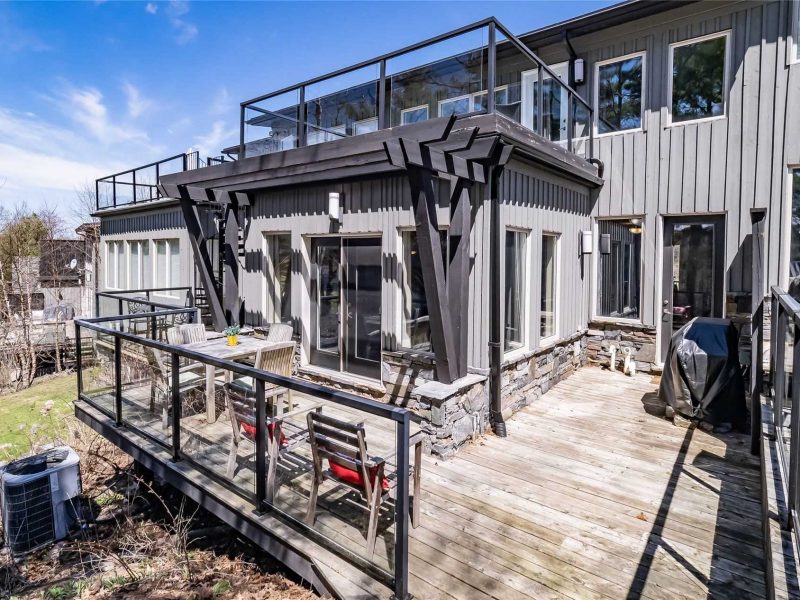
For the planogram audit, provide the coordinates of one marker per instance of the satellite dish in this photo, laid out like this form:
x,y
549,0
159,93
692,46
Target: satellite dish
x,y
73,263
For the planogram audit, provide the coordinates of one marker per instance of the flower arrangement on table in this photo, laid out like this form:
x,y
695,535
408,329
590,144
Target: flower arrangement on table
x,y
232,333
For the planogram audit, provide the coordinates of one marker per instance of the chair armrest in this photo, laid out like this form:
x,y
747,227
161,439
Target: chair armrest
x,y
296,412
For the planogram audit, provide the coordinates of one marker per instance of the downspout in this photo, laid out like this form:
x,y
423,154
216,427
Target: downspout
x,y
495,343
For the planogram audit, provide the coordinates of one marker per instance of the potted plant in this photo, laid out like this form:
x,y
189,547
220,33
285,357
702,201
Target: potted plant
x,y
232,333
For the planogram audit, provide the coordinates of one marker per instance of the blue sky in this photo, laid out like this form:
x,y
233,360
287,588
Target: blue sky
x,y
97,87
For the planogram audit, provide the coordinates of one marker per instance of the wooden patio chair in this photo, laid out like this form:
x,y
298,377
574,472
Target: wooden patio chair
x,y
161,383
279,332
193,332
240,396
344,446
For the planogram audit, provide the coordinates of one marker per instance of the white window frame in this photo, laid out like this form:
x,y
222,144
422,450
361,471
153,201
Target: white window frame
x,y
786,249
269,307
545,341
596,268
596,96
794,47
525,300
140,244
725,77
371,120
112,264
168,267
472,97
527,81
412,109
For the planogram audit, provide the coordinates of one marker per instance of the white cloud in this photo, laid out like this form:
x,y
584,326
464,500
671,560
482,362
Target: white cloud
x,y
151,7
215,140
86,108
14,39
186,31
221,103
137,104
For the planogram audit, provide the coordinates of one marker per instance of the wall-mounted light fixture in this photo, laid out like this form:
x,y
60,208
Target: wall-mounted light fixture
x,y
335,206
578,71
636,226
587,242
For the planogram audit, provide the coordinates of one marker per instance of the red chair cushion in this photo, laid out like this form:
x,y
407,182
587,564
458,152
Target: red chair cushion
x,y
352,477
250,432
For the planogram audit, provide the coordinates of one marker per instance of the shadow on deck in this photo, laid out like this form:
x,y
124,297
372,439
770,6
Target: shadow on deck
x,y
592,495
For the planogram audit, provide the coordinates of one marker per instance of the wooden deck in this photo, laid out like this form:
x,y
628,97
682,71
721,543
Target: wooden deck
x,y
589,496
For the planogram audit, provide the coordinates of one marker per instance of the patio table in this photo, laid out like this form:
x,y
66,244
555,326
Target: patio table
x,y
219,348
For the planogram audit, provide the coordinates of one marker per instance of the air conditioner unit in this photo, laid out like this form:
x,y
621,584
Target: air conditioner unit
x,y
37,498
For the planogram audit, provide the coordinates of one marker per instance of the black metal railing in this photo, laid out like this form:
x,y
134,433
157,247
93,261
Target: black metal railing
x,y
118,303
140,184
121,381
785,394
479,68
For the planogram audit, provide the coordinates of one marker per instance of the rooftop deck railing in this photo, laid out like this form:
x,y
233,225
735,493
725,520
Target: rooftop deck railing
x,y
154,390
140,184
785,395
479,68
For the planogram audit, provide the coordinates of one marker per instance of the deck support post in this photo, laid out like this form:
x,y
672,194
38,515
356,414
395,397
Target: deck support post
x,y
118,381
458,271
230,297
78,359
403,429
261,447
175,388
758,218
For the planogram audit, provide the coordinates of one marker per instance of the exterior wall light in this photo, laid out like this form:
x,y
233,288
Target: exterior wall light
x,y
587,242
578,71
335,206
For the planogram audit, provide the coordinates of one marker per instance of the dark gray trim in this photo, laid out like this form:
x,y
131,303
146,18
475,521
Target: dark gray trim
x,y
154,220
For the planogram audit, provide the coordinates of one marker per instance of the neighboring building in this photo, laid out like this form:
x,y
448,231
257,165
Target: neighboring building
x,y
692,140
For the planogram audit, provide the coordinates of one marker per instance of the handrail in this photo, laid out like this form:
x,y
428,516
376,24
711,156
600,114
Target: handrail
x,y
401,416
138,168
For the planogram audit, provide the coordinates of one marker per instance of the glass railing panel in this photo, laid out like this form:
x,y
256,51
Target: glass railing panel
x,y
146,182
440,80
271,124
342,106
123,185
581,124
105,194
168,167
788,375
146,402
514,74
98,369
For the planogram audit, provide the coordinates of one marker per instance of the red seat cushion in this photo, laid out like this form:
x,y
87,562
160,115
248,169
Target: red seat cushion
x,y
250,432
352,477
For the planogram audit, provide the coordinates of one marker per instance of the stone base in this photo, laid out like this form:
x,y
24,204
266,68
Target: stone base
x,y
452,414
602,335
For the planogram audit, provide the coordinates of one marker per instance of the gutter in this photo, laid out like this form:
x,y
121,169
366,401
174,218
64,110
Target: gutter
x,y
495,343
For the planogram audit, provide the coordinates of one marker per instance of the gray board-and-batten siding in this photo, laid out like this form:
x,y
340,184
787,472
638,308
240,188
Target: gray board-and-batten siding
x,y
532,200
727,165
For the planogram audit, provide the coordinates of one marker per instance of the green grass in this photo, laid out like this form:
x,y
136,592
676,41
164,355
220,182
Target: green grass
x,y
25,420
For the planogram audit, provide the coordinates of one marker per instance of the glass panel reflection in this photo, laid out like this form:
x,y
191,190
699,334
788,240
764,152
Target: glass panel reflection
x,y
692,272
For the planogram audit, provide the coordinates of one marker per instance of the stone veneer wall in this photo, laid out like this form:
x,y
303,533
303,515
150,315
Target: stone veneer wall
x,y
603,334
528,376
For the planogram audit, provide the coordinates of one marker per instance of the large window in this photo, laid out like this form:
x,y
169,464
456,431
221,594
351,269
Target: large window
x,y
698,78
116,273
168,265
414,115
416,329
139,264
618,268
794,252
278,277
547,307
619,94
515,289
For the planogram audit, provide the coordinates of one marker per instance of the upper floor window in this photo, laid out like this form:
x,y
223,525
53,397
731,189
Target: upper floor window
x,y
168,266
116,274
516,297
618,268
278,278
697,85
619,94
794,240
139,272
414,115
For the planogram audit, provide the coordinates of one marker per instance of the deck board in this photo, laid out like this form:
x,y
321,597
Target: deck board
x,y
589,496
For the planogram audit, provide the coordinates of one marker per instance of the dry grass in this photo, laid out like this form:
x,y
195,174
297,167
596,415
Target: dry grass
x,y
142,541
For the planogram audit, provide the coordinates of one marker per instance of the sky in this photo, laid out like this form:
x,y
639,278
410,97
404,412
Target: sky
x,y
92,88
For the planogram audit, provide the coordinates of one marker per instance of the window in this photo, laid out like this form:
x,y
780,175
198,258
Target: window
x,y
414,115
278,278
619,94
555,98
416,333
139,257
468,103
547,314
697,87
515,289
115,265
796,29
168,265
365,126
618,284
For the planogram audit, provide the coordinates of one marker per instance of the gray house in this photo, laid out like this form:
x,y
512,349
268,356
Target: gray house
x,y
496,214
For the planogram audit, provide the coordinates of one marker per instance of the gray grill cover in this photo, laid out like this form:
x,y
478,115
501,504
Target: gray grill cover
x,y
702,376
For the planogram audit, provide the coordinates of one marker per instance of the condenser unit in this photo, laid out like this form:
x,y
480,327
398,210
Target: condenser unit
x,y
37,498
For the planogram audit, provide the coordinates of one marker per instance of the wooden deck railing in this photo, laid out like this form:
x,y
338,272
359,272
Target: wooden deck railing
x,y
121,387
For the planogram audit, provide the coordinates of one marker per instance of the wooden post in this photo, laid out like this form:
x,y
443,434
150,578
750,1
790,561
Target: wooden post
x,y
458,272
